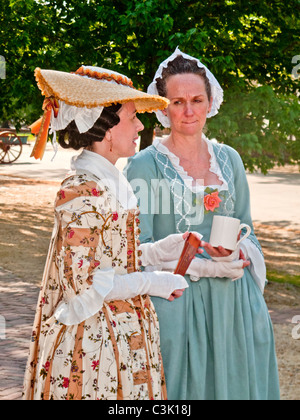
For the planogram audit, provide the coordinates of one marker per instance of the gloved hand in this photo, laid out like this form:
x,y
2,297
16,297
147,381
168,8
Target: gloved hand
x,y
221,254
156,283
109,286
167,249
201,267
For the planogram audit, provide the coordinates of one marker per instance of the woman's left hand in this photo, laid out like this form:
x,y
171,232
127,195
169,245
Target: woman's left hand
x,y
176,294
220,252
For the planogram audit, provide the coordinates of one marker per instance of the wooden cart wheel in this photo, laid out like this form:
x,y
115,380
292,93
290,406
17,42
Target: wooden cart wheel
x,y
10,147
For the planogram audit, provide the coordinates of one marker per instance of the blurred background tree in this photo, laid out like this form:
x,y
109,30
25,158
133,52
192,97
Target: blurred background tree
x,y
249,46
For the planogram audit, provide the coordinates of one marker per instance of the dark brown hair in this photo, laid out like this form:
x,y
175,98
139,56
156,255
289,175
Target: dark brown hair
x,y
181,65
70,137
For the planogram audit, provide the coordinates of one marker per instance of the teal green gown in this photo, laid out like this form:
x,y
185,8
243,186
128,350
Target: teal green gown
x,y
217,339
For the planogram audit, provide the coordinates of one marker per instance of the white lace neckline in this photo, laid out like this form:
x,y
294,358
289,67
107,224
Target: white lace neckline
x,y
189,181
109,175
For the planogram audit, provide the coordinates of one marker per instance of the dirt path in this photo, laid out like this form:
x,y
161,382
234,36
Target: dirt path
x,y
281,246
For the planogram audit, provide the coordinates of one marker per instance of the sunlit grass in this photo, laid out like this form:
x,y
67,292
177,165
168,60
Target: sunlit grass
x,y
281,277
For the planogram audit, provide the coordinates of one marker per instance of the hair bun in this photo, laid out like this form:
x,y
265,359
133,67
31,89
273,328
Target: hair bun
x,y
71,138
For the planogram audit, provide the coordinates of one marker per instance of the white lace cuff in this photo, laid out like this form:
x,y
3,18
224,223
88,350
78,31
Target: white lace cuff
x,y
83,306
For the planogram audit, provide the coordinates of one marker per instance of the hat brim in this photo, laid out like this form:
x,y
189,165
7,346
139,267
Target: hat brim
x,y
84,92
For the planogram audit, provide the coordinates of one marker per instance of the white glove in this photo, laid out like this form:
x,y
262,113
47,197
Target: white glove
x,y
201,267
167,249
110,286
156,283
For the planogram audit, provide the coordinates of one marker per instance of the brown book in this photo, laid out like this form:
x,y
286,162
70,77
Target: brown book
x,y
190,248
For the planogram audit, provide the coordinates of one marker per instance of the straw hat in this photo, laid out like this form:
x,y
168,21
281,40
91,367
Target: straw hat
x,y
81,96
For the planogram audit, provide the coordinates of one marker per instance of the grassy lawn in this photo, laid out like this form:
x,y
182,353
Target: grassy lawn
x,y
280,277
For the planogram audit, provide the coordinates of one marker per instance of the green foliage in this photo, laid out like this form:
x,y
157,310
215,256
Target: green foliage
x,y
249,46
261,126
283,277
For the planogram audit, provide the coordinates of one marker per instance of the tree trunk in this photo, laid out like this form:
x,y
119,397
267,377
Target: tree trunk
x,y
5,124
146,137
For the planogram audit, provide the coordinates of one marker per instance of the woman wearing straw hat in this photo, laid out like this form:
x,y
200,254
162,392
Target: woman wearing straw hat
x,y
96,334
217,340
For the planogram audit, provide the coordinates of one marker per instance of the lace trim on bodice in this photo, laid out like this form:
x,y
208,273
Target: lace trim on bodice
x,y
187,179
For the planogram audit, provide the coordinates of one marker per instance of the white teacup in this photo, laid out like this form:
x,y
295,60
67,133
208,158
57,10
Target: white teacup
x,y
225,231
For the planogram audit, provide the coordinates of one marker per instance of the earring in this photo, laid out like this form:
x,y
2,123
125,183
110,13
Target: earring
x,y
110,147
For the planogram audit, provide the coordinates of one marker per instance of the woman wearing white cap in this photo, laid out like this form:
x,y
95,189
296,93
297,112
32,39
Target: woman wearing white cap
x,y
217,340
96,333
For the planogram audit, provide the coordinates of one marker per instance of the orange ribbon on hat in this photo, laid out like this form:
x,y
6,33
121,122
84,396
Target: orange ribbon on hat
x,y
41,127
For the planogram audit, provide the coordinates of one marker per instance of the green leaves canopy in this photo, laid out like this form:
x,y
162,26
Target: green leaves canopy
x,y
249,46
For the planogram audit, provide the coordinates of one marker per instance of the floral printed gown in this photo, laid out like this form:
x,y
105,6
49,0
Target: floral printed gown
x,y
115,353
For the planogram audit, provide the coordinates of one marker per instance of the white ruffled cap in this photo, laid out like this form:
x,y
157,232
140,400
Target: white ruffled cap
x,y
216,90
84,117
